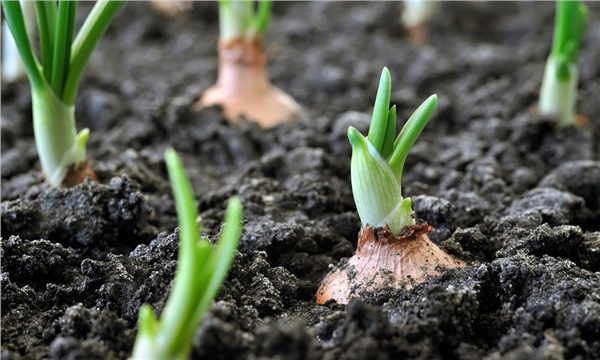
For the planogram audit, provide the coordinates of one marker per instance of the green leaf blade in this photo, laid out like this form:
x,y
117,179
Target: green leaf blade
x,y
263,17
390,133
180,304
379,120
571,18
46,18
63,38
409,134
92,30
14,17
222,256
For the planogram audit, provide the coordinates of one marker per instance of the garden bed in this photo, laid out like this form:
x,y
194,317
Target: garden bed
x,y
505,191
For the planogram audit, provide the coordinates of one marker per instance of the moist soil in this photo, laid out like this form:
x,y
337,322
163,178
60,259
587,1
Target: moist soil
x,y
506,192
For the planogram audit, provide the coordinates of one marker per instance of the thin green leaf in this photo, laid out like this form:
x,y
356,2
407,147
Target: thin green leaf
x,y
63,38
181,303
220,260
91,32
390,134
409,134
203,250
14,18
571,17
46,18
379,121
263,16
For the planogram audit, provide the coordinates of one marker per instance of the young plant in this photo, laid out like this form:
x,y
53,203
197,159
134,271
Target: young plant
x,y
393,248
200,272
243,87
558,94
416,15
55,79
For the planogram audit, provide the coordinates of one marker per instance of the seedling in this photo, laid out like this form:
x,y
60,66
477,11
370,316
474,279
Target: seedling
x,y
393,247
415,16
200,272
243,87
55,79
558,94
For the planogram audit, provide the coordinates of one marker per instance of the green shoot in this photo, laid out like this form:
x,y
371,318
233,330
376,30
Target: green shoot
x,y
379,121
243,87
12,65
558,94
200,272
55,79
239,20
378,161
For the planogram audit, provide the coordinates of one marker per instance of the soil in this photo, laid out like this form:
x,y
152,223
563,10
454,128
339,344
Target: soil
x,y
505,191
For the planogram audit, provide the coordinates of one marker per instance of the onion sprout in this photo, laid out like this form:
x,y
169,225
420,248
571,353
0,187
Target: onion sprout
x,y
558,94
239,19
200,272
378,161
243,87
55,78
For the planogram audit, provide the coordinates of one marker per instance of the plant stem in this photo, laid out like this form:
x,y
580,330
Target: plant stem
x,y
235,17
558,93
558,96
238,19
57,141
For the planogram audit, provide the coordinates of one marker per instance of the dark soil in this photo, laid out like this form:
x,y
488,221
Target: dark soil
x,y
515,198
